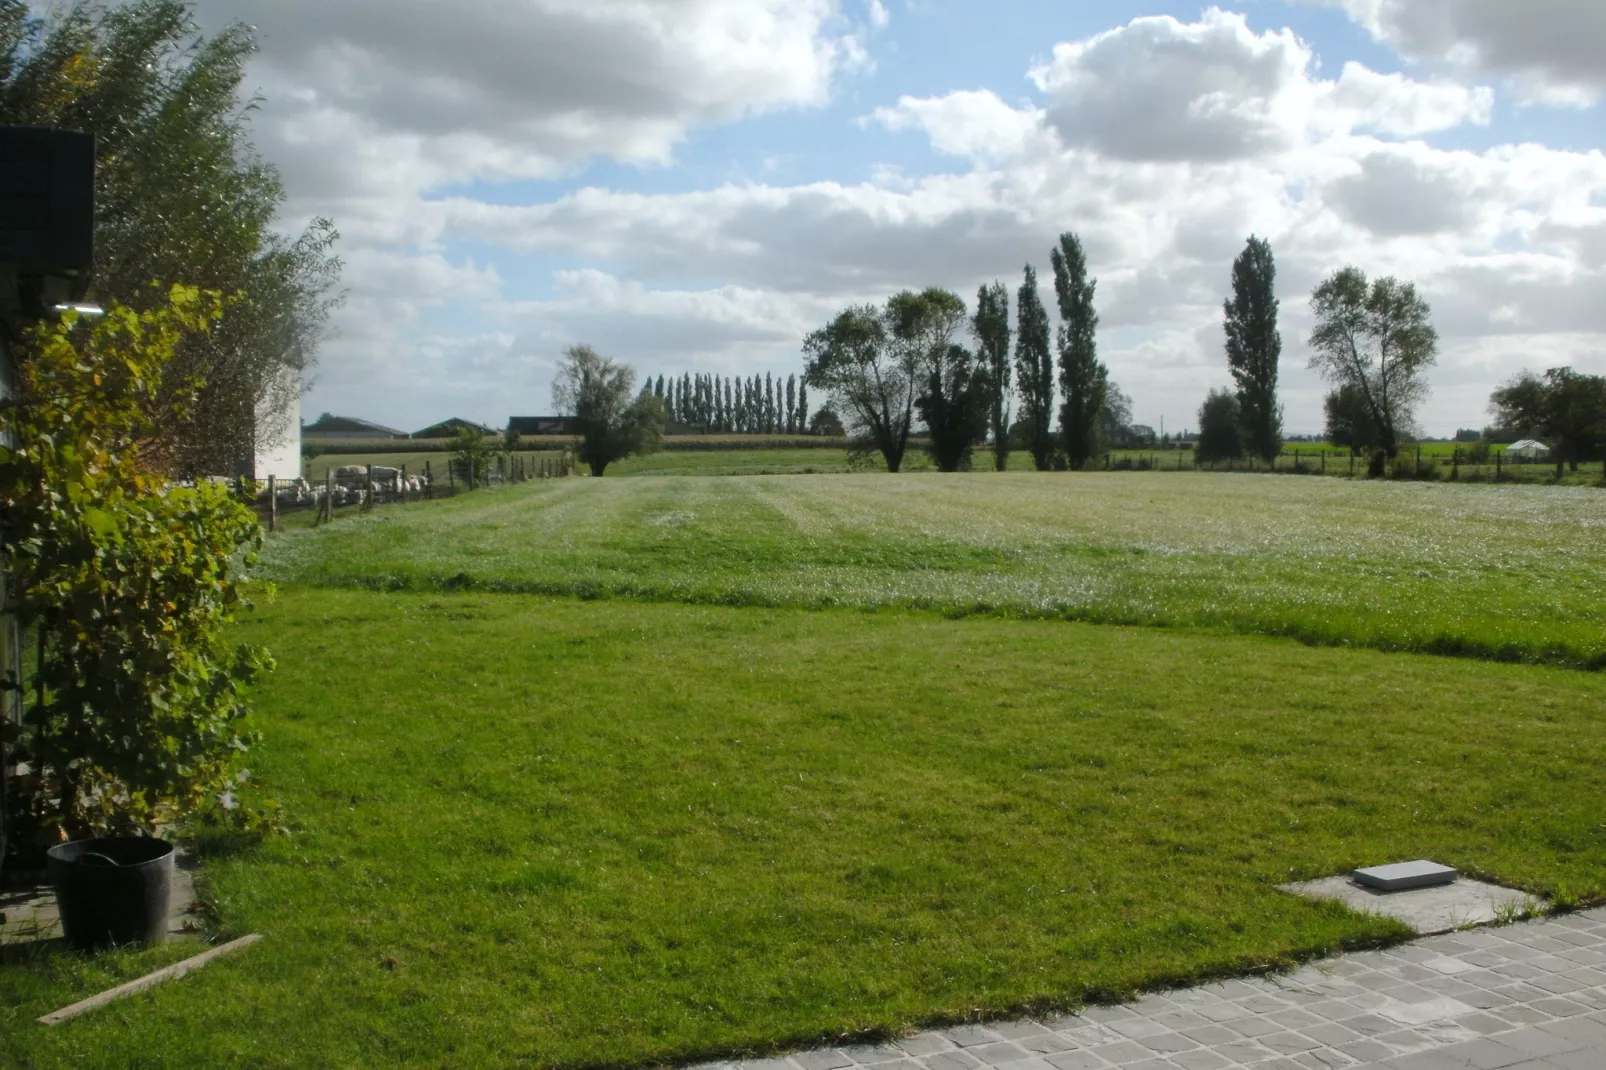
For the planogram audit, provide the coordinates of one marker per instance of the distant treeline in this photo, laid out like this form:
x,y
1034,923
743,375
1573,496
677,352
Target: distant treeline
x,y
722,404
536,443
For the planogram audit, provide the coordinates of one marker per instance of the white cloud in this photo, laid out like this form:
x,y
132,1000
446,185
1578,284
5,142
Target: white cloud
x,y
1162,143
1396,105
413,93
1159,89
974,123
1552,49
668,330
1409,190
1162,90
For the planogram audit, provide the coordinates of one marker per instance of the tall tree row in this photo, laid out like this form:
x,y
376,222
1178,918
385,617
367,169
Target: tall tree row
x,y
1083,380
1034,371
716,404
1254,347
991,329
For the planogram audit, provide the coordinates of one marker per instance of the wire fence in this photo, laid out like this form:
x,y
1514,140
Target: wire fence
x,y
1412,462
362,487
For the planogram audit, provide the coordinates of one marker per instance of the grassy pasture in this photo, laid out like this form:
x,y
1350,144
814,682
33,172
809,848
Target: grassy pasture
x,y
1496,572
555,833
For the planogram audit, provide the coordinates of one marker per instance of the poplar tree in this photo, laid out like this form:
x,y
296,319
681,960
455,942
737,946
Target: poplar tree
x,y
1083,380
990,325
791,404
802,406
1254,346
1034,371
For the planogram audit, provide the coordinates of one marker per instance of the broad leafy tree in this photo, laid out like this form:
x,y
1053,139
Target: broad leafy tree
x,y
1563,407
181,198
1034,372
1254,347
990,326
1220,428
1115,419
1083,380
955,406
871,383
1378,338
876,363
826,422
1349,420
599,392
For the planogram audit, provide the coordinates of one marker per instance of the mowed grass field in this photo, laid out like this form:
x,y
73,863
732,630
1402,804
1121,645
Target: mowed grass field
x,y
629,772
1486,571
547,832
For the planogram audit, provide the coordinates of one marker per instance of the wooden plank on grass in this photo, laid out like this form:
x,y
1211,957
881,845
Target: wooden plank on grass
x,y
166,973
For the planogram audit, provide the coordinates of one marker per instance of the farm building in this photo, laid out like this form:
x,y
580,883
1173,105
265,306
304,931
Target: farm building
x,y
1528,449
449,428
329,426
544,425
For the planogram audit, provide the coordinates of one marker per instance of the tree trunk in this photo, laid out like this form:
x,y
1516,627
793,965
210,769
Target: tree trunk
x,y
597,467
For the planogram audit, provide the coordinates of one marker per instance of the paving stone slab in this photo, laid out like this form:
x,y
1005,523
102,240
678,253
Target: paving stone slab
x,y
1440,909
1434,1004
1399,876
31,916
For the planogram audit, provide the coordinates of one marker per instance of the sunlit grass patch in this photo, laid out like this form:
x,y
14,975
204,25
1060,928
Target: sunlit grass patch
x,y
1513,573
545,832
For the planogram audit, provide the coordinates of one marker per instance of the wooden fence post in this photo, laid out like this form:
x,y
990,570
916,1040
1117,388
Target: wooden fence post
x,y
404,484
328,493
368,503
273,504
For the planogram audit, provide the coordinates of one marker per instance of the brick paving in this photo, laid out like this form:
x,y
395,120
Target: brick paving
x,y
1530,996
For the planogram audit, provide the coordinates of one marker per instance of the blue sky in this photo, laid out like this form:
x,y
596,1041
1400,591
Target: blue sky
x,y
695,184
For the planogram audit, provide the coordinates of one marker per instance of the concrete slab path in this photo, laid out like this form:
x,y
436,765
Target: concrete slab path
x,y
1530,996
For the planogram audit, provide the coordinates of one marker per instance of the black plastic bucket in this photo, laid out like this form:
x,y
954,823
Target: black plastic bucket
x,y
113,891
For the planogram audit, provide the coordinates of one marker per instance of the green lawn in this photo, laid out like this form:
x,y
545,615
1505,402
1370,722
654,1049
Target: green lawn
x,y
1489,571
550,832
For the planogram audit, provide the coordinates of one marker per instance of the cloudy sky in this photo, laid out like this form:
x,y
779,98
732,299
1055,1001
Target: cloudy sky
x,y
693,185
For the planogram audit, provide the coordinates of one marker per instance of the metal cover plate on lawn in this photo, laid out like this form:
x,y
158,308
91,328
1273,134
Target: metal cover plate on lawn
x,y
1403,875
